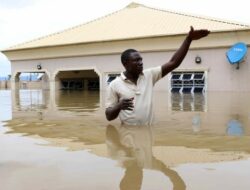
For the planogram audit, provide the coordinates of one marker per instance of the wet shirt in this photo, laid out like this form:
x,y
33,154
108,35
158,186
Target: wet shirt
x,y
142,92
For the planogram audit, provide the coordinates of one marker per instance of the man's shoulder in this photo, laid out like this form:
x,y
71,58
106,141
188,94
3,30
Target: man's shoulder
x,y
153,70
154,73
157,68
115,82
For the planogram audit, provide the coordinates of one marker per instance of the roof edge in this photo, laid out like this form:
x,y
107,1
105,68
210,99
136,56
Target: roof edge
x,y
73,27
200,16
131,5
121,39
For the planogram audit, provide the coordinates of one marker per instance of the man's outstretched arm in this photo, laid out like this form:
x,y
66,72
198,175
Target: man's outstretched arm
x,y
180,54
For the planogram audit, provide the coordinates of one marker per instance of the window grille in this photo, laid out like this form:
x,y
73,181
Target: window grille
x,y
188,82
188,91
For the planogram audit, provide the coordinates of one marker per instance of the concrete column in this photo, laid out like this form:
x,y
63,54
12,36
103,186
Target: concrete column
x,y
14,81
52,94
15,99
85,84
14,85
45,82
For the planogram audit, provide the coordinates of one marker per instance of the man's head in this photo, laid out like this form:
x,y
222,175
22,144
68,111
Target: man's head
x,y
132,61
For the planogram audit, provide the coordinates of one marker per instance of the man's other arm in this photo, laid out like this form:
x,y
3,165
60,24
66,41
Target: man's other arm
x,y
113,112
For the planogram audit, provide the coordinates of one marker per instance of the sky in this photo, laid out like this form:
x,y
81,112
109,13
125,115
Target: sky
x,y
25,20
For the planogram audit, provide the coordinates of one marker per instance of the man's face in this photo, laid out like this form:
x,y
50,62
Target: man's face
x,y
134,64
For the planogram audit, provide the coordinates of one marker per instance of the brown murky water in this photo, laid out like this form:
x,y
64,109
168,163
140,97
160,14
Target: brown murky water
x,y
62,141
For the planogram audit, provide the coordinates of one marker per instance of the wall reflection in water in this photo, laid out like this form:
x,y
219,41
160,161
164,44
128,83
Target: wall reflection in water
x,y
44,104
210,130
64,100
76,113
30,100
73,115
78,101
188,102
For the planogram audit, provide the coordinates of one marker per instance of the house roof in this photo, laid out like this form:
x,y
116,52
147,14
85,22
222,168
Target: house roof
x,y
133,22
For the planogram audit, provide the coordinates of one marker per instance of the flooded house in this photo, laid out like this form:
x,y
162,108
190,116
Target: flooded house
x,y
57,136
87,56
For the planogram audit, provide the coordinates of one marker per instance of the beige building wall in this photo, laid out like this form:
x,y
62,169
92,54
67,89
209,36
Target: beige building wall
x,y
104,59
221,76
30,85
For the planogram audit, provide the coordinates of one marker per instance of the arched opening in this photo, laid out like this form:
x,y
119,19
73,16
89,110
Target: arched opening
x,y
31,80
87,80
79,90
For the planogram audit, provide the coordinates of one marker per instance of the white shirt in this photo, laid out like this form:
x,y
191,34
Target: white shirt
x,y
142,92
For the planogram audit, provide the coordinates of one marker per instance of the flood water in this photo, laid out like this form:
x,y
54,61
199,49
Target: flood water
x,y
62,141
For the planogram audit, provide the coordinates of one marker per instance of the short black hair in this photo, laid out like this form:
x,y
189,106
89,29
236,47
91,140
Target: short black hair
x,y
125,55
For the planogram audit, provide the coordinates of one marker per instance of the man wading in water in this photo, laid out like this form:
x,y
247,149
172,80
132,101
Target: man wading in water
x,y
130,95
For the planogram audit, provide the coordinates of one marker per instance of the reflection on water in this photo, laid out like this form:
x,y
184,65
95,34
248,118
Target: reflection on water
x,y
29,100
131,146
188,102
188,130
78,101
234,128
73,101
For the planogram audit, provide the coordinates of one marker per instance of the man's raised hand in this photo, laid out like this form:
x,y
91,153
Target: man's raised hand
x,y
197,34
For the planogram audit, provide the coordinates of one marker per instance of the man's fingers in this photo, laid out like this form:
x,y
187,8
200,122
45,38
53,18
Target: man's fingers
x,y
205,32
130,109
127,100
127,105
